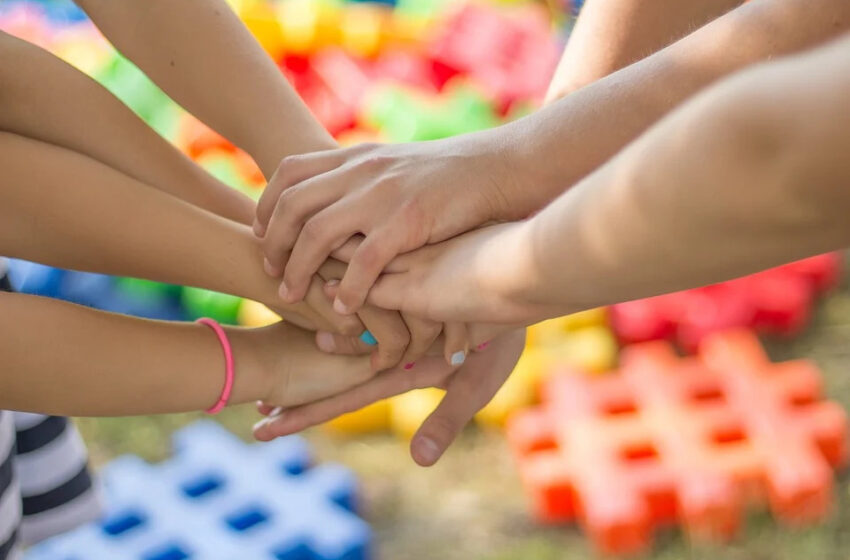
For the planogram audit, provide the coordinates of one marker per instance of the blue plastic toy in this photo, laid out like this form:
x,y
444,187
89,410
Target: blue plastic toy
x,y
221,499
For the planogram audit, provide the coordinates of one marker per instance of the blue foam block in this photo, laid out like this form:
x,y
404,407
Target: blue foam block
x,y
222,499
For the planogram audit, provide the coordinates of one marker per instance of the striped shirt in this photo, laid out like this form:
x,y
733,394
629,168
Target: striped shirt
x,y
45,485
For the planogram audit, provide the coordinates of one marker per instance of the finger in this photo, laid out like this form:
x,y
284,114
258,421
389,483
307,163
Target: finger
x,y
346,250
293,210
393,291
468,392
367,263
267,409
423,333
291,171
320,235
457,343
332,343
389,329
430,372
349,325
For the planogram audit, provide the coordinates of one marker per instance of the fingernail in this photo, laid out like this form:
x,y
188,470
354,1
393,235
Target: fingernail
x,y
340,307
410,365
276,411
325,341
368,338
258,228
332,283
482,346
262,424
427,450
269,268
458,358
283,291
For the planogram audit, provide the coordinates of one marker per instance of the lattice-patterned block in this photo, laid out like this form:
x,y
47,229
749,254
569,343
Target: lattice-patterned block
x,y
221,499
685,440
777,301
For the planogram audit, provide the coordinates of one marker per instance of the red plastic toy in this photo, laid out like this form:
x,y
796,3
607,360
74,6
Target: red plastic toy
x,y
510,53
681,440
777,301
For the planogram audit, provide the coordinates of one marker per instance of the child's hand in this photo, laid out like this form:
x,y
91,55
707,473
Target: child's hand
x,y
400,197
293,371
468,390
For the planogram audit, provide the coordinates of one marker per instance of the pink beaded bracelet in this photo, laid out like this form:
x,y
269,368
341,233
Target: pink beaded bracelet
x,y
228,364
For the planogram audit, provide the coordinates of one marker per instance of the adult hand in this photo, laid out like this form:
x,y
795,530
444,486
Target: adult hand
x,y
400,197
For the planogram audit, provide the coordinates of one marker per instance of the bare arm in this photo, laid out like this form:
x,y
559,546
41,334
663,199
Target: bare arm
x,y
61,208
611,34
748,175
402,197
205,59
44,98
91,363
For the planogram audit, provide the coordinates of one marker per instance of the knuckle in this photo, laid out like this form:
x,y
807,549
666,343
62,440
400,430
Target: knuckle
x,y
287,163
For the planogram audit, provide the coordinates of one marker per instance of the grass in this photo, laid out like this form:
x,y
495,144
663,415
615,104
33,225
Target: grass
x,y
471,507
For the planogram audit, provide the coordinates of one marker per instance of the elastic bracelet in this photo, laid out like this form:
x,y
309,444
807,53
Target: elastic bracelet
x,y
228,364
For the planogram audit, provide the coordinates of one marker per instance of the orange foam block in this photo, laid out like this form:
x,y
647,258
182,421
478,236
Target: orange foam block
x,y
681,440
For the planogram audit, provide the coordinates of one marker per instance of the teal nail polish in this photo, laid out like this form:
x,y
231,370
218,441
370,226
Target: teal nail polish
x,y
368,338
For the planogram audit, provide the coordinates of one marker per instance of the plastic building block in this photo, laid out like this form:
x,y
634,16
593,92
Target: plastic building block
x,y
253,314
406,115
220,499
778,301
372,418
198,302
509,52
408,411
686,440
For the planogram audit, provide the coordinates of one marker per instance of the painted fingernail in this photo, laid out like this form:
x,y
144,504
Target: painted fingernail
x,y
340,307
458,358
482,346
368,338
326,342
427,450
410,365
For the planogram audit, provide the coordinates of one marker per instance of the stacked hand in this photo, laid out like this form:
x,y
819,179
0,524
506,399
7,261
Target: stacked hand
x,y
394,214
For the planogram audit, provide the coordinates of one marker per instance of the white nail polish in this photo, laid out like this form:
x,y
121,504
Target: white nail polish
x,y
458,358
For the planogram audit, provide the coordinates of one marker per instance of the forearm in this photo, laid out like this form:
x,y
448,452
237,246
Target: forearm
x,y
61,208
203,57
611,34
592,124
736,181
66,359
42,97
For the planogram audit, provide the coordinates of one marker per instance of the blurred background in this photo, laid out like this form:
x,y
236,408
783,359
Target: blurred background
x,y
407,70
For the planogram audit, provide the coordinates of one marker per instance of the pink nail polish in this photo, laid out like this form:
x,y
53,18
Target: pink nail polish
x,y
482,346
410,365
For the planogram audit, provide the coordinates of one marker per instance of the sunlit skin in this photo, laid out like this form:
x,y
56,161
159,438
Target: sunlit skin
x,y
750,174
404,196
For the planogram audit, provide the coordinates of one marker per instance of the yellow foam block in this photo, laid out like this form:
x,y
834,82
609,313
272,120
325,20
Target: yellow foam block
x,y
408,411
308,25
363,28
372,418
261,20
520,389
592,349
253,314
554,331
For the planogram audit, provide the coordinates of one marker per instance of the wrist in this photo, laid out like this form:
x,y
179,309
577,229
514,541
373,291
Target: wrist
x,y
252,376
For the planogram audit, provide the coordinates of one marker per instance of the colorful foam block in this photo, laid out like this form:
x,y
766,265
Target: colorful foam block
x,y
684,440
220,499
777,301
